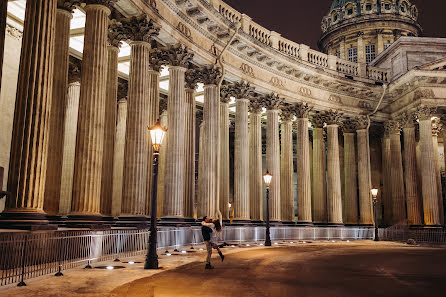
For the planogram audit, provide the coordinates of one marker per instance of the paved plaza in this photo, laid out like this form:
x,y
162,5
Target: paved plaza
x,y
312,269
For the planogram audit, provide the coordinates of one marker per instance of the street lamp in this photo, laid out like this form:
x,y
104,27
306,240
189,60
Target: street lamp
x,y
374,197
267,179
157,133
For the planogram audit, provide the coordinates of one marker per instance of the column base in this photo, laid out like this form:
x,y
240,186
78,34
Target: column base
x,y
139,222
94,222
275,223
173,222
364,225
258,223
304,224
290,223
25,221
334,225
240,223
54,219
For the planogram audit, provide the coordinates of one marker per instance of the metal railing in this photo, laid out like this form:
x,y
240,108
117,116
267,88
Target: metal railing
x,y
420,235
26,255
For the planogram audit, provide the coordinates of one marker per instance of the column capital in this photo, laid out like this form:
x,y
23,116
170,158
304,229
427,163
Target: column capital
x,y
74,71
318,120
392,127
332,117
287,114
163,106
302,110
139,28
255,106
177,55
242,90
362,122
156,59
349,126
123,88
209,74
191,78
68,5
271,101
425,112
116,34
437,127
225,93
407,120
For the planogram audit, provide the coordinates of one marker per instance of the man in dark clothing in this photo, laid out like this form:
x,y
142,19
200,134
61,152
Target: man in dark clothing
x,y
206,231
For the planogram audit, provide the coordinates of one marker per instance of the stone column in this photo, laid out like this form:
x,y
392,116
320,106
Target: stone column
x,y
332,119
29,146
119,149
162,162
410,172
303,164
200,188
58,107
428,167
242,91
350,208
3,15
436,129
90,129
209,199
114,39
364,178
189,145
69,141
272,102
255,162
140,31
286,165
361,48
396,174
179,59
319,172
387,184
224,155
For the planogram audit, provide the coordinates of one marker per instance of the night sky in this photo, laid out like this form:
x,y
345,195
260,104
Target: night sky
x,y
299,20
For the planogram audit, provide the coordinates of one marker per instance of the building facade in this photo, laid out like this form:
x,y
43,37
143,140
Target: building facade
x,y
93,75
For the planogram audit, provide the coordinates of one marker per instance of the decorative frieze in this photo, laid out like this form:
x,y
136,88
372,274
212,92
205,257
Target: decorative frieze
x,y
335,98
185,30
246,69
276,82
304,91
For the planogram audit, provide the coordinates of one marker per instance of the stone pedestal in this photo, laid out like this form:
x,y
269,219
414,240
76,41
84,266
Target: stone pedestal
x,y
29,146
224,188
90,129
286,168
241,161
273,162
364,179
255,163
351,197
319,177
303,173
333,177
57,115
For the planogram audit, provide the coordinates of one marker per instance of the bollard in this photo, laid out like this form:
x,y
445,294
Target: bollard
x,y
88,265
22,282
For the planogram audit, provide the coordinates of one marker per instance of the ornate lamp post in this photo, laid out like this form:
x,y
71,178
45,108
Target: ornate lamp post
x,y
267,177
157,133
374,197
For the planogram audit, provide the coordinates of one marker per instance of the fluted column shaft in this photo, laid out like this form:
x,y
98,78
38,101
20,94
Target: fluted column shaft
x,y
319,177
428,175
200,185
303,172
224,160
333,174
3,15
387,183
351,197
29,146
286,172
364,178
135,156
69,144
410,166
210,152
118,158
438,176
109,130
153,116
174,176
57,114
90,129
241,161
273,162
161,194
396,175
189,154
255,167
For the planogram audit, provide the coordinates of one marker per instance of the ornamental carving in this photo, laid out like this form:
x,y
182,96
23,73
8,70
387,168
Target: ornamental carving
x,y
209,74
349,126
116,34
152,3
242,90
276,82
68,5
335,98
362,122
437,126
425,112
271,101
14,32
407,120
287,114
255,106
304,91
157,59
332,117
139,28
302,110
317,120
426,93
392,127
225,93
74,71
246,69
177,55
123,89
107,3
185,30
364,105
191,79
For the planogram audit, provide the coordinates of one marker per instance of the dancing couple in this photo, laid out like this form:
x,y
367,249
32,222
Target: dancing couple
x,y
208,225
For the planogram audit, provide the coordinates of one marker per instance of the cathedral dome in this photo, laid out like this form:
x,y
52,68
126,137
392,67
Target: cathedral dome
x,y
349,19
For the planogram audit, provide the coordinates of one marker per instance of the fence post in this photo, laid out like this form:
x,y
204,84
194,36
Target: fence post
x,y
60,243
118,242
22,282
